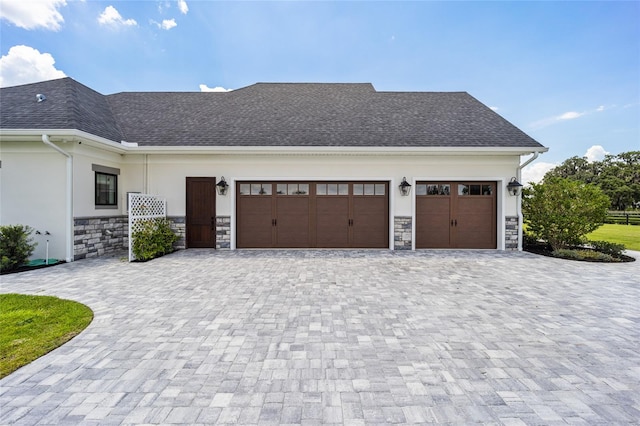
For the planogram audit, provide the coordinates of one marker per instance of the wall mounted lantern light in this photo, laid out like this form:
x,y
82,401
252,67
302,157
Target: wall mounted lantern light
x,y
222,186
514,187
405,187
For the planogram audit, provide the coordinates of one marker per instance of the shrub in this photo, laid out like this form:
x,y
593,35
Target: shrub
x,y
584,255
16,246
528,239
154,238
562,211
612,249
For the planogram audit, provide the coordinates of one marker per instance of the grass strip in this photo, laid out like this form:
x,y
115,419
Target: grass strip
x,y
32,326
629,235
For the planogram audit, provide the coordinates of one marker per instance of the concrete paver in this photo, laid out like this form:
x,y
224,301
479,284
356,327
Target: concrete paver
x,y
337,337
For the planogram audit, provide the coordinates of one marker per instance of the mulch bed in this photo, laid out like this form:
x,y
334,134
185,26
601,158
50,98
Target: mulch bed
x,y
26,268
545,250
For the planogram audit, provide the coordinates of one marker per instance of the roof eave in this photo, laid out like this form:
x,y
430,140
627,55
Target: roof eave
x,y
61,135
337,150
73,135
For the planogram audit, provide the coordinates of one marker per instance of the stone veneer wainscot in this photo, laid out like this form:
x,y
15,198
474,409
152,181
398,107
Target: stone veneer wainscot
x,y
511,233
402,233
97,236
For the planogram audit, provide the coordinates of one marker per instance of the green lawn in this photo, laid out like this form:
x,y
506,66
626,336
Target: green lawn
x,y
31,326
629,235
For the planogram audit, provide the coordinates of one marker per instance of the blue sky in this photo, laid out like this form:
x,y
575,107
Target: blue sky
x,y
566,73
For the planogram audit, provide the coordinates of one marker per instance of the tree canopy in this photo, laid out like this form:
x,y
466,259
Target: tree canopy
x,y
562,211
617,175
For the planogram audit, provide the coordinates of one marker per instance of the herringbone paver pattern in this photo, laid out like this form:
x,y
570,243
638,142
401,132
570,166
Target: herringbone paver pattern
x,y
337,337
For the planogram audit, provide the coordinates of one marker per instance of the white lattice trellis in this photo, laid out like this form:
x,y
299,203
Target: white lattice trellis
x,y
141,208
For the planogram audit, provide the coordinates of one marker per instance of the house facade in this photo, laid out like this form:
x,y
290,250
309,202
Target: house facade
x,y
307,166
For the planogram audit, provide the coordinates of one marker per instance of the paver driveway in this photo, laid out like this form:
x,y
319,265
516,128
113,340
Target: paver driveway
x,y
353,337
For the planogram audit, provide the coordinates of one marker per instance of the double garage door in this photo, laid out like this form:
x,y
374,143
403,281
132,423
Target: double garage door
x,y
306,214
456,215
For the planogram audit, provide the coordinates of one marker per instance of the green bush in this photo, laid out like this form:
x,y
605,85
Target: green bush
x,y
562,211
16,246
155,238
612,249
584,255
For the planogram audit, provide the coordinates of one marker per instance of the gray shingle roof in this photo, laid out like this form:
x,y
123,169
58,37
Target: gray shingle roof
x,y
69,105
266,114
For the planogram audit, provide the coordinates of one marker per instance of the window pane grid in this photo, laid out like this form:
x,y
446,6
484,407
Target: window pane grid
x,y
369,189
106,189
332,189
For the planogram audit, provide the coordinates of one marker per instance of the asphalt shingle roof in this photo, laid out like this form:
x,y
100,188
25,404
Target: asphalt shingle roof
x,y
68,105
265,114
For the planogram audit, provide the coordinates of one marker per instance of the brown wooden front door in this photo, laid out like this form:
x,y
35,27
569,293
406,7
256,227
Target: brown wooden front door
x,y
456,215
201,212
312,214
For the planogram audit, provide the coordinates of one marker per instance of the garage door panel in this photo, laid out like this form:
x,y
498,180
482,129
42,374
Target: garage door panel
x,y
313,214
370,222
463,217
292,222
432,222
332,222
254,222
475,223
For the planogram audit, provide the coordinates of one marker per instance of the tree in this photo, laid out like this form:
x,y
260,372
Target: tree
x,y
617,175
576,168
563,211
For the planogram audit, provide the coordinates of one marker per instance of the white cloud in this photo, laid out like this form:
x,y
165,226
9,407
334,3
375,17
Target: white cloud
x,y
494,108
204,88
535,171
595,153
111,17
571,115
182,5
24,64
167,24
600,108
33,14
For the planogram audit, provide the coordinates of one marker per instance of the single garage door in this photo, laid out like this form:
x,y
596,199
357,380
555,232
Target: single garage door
x,y
312,215
456,215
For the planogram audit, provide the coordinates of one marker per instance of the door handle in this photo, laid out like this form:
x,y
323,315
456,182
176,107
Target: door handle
x,y
451,222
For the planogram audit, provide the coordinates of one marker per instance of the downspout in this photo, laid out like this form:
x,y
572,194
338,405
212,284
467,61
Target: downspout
x,y
519,200
69,213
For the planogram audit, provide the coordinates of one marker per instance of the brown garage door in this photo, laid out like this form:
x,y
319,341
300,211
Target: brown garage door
x,y
456,215
312,214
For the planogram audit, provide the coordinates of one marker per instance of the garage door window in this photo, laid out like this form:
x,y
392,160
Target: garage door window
x,y
473,189
433,189
369,189
293,189
332,189
255,189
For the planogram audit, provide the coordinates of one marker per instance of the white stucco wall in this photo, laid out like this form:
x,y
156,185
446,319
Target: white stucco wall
x,y
33,193
167,173
33,179
84,180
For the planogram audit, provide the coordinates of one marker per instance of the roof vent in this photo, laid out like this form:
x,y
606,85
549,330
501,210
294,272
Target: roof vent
x,y
40,97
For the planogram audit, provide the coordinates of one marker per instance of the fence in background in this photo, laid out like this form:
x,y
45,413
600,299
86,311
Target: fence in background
x,y
623,218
